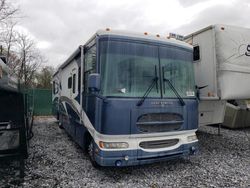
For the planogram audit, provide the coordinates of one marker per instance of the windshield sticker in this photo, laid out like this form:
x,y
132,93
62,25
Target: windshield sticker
x,y
190,93
122,90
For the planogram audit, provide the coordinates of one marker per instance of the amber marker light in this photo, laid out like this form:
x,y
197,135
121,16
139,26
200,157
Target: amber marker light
x,y
101,144
210,94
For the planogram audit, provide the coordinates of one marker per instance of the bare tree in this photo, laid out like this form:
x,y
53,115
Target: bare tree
x,y
8,40
22,56
20,50
29,59
7,11
8,15
44,77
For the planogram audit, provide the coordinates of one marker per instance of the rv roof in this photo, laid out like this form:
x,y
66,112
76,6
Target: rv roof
x,y
200,31
142,36
208,28
71,57
127,34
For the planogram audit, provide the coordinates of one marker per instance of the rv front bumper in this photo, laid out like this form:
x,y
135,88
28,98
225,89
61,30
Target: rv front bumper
x,y
139,157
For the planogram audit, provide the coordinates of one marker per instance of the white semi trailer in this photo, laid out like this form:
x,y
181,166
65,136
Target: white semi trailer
x,y
222,68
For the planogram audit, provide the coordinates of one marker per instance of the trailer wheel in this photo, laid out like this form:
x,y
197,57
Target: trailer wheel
x,y
91,154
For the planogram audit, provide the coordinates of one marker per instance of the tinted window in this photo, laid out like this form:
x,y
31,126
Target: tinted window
x,y
196,54
70,82
89,64
128,69
74,83
79,79
177,68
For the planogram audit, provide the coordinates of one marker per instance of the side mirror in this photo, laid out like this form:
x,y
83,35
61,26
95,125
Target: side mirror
x,y
94,82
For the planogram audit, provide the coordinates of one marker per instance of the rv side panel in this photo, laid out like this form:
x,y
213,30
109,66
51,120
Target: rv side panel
x,y
233,57
205,65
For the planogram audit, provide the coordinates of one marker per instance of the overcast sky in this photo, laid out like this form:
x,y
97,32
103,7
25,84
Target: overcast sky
x,y
60,26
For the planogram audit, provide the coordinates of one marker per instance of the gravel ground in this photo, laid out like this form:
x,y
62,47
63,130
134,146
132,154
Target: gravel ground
x,y
56,161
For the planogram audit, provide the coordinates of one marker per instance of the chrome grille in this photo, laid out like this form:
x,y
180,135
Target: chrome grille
x,y
160,117
159,122
153,128
158,144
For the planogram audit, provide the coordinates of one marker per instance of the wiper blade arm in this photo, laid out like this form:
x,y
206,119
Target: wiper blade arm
x,y
172,87
154,81
175,91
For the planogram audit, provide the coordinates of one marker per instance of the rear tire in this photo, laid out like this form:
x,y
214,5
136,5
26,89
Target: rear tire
x,y
60,122
60,125
91,154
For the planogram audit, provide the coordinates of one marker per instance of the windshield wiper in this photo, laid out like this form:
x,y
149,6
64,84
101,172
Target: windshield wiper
x,y
172,88
154,82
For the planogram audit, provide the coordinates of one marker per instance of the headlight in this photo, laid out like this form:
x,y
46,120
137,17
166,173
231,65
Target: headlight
x,y
113,145
192,138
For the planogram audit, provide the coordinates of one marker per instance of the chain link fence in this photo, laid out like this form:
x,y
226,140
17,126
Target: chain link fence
x,y
41,101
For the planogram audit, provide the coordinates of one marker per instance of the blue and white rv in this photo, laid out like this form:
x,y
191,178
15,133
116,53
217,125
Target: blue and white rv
x,y
129,99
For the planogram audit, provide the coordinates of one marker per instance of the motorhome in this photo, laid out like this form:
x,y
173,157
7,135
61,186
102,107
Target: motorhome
x,y
129,98
55,94
222,69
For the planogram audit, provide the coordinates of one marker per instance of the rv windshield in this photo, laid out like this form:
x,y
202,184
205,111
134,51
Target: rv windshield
x,y
128,68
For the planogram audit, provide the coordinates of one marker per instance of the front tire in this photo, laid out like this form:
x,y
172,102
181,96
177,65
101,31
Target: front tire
x,y
92,155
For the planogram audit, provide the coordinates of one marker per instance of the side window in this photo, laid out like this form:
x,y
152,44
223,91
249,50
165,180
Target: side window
x,y
196,53
79,79
89,64
70,82
74,83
